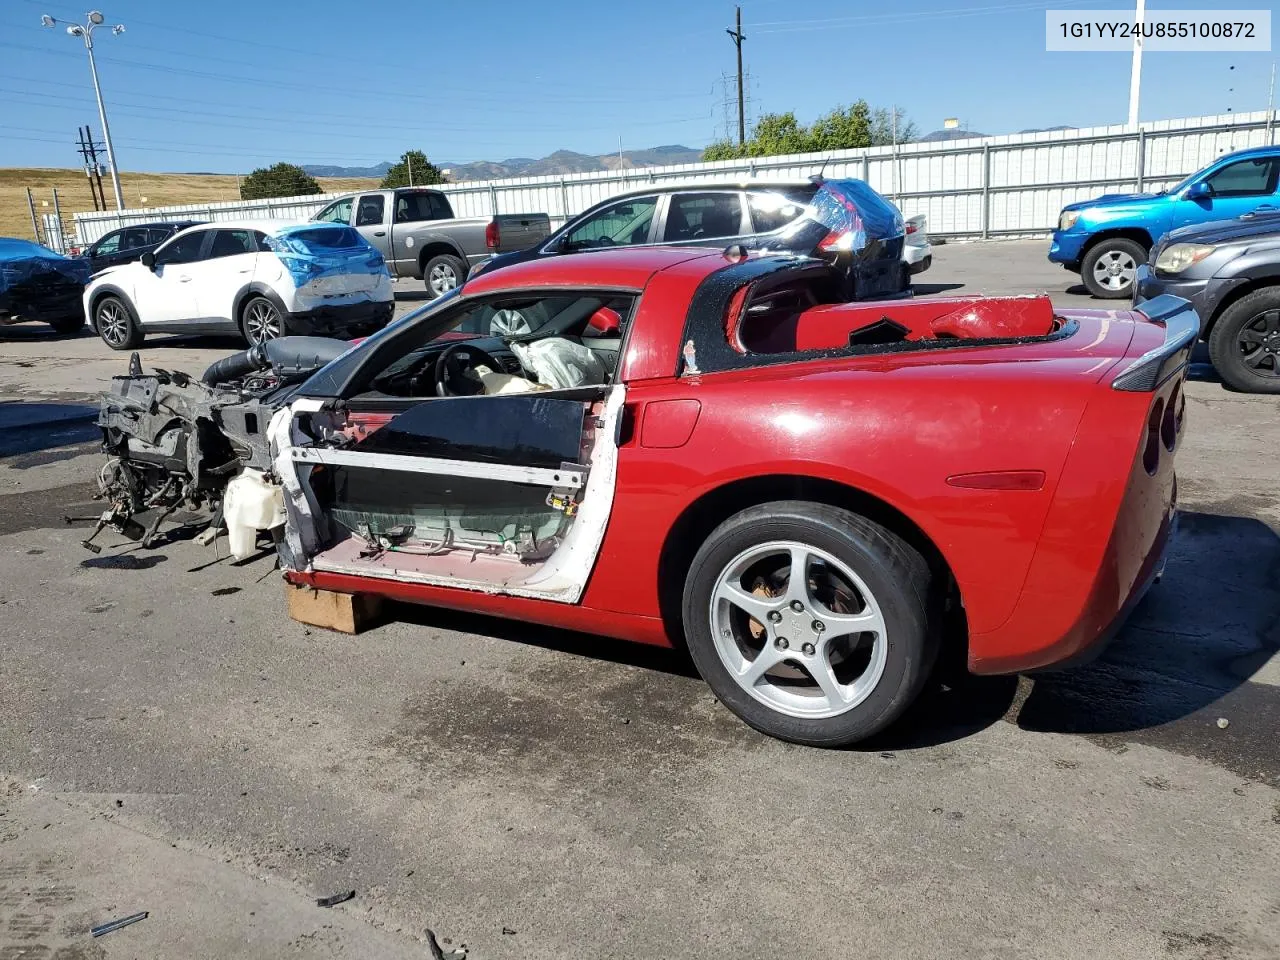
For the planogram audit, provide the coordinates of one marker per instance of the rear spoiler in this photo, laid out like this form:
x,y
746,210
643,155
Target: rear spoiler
x,y
1156,366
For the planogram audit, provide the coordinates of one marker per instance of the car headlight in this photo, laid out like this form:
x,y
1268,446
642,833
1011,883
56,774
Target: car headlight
x,y
1180,256
1068,219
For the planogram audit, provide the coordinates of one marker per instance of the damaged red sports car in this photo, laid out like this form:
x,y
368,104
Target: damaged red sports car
x,y
681,446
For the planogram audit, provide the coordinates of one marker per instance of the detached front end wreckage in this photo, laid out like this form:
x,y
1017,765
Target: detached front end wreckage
x,y
200,446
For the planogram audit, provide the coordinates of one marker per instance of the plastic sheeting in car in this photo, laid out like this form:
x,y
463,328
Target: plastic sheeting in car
x,y
315,251
560,364
22,261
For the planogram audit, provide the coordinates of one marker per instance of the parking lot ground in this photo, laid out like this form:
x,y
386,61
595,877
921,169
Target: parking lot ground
x,y
171,742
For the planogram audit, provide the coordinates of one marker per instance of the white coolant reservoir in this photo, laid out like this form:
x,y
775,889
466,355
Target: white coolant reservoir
x,y
251,503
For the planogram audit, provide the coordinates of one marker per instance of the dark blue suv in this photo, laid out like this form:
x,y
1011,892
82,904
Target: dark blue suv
x,y
1105,239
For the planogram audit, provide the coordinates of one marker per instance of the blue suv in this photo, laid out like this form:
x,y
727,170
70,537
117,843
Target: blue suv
x,y
1105,239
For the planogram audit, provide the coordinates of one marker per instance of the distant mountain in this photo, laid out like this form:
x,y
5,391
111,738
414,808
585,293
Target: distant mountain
x,y
1048,129
568,161
328,170
951,135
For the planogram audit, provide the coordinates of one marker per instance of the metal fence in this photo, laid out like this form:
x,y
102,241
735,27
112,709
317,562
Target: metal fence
x,y
978,188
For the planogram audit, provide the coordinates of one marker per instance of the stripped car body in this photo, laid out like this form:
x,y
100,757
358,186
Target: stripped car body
x,y
993,460
1024,453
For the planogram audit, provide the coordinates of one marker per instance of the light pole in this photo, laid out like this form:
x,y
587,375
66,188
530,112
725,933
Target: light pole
x,y
85,32
1135,72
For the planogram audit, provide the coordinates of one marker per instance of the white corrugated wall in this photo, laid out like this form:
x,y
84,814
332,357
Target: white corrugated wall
x,y
994,186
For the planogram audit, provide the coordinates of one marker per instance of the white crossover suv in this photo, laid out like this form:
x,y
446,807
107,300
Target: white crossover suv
x,y
260,278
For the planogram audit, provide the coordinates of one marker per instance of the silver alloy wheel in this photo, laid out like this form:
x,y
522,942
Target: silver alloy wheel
x,y
261,321
442,279
1115,270
508,323
805,637
113,323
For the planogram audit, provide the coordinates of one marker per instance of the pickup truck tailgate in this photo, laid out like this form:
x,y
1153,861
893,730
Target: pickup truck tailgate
x,y
519,231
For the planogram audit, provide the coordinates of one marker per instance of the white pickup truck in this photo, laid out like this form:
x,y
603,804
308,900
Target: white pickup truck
x,y
417,234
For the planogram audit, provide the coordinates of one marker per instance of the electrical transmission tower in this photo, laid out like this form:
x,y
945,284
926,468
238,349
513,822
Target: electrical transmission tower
x,y
729,106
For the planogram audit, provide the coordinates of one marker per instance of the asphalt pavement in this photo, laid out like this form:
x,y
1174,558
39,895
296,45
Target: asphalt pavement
x,y
171,742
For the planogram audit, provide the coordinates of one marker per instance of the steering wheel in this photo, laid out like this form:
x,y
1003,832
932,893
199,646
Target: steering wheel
x,y
451,367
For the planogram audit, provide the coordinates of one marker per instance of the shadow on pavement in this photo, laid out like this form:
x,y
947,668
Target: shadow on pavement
x,y
39,332
1187,656
1184,659
659,659
29,427
411,296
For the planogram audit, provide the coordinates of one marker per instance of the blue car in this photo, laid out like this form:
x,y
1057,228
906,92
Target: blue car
x,y
1105,239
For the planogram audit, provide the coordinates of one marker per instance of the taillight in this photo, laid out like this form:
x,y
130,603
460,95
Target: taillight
x,y
911,227
837,240
492,238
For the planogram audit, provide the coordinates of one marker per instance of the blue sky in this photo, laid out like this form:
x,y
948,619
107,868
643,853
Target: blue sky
x,y
232,85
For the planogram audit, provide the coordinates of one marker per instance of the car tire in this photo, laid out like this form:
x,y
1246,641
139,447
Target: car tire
x,y
851,563
117,326
1244,344
262,320
68,326
1109,268
442,273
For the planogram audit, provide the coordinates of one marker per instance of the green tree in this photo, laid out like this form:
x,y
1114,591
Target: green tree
x,y
844,128
882,128
413,170
777,133
721,150
279,180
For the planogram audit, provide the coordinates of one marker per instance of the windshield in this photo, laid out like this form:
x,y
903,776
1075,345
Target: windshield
x,y
1178,188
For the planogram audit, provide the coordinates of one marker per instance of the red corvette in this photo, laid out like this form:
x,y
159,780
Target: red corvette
x,y
680,446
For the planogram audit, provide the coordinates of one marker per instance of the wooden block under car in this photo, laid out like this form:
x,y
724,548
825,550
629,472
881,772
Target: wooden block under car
x,y
344,612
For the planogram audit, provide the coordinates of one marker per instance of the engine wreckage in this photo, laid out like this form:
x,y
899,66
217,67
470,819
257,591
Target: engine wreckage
x,y
177,443
235,449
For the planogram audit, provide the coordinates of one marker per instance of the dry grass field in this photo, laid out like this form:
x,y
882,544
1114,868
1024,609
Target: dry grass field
x,y
158,189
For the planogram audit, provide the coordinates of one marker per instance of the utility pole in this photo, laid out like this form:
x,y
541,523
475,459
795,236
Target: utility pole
x,y
85,33
409,156
738,37
89,152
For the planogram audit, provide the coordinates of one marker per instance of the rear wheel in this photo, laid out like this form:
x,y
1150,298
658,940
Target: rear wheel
x,y
443,273
116,325
261,320
1245,343
809,622
1109,268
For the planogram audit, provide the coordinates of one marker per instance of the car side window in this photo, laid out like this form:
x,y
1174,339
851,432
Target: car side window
x,y
413,207
133,238
369,213
108,244
260,242
440,209
158,234
183,249
772,211
1244,178
231,243
619,224
337,212
697,216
